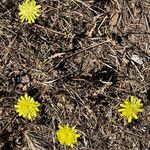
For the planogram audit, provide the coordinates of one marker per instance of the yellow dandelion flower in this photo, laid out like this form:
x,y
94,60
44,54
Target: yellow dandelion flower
x,y
131,108
27,107
29,11
67,135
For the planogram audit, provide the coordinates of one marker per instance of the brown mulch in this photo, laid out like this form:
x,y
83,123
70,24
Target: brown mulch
x,y
78,61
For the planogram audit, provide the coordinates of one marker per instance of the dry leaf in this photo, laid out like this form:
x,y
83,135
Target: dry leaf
x,y
114,20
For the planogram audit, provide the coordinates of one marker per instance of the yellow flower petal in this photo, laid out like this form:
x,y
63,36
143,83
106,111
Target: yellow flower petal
x,y
121,110
138,101
130,108
126,102
135,116
129,119
123,105
67,135
27,107
140,110
29,11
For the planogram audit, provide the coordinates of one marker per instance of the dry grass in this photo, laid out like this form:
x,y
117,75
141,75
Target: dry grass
x,y
76,60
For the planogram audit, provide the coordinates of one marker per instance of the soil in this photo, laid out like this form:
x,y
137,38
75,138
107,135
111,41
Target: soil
x,y
80,60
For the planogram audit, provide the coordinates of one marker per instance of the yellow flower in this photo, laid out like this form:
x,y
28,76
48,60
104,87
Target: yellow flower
x,y
130,108
27,107
29,11
67,135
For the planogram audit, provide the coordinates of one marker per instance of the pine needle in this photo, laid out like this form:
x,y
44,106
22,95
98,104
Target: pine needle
x,y
35,141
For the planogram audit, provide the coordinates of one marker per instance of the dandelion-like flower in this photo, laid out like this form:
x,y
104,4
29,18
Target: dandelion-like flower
x,y
67,135
131,108
27,107
29,11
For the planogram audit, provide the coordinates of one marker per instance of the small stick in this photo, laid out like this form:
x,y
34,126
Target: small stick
x,y
51,30
86,5
12,119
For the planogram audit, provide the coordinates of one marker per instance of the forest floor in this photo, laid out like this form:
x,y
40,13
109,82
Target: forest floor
x,y
80,60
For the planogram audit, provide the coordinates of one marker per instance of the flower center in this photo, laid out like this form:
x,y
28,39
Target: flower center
x,y
27,106
29,9
130,108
